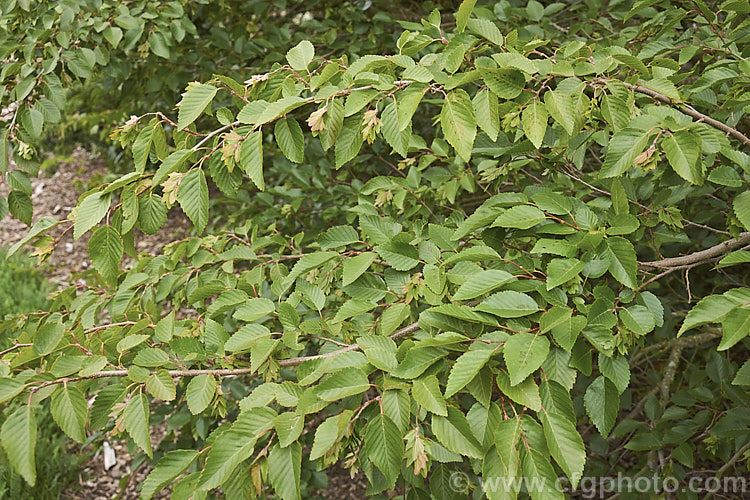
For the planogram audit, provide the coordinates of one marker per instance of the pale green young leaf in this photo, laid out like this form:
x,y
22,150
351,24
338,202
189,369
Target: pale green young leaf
x,y
329,432
462,16
301,55
735,327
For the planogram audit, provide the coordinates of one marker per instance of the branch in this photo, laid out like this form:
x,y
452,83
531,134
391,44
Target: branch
x,y
703,255
732,460
227,372
690,111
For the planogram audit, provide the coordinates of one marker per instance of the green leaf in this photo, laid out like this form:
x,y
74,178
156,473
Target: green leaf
x,y
487,113
384,447
537,466
616,369
508,304
465,369
47,338
161,386
18,436
711,309
426,392
355,266
309,262
520,216
254,309
329,432
622,261
462,16
70,412
290,139
565,445
560,271
380,351
534,122
481,283
343,383
251,158
284,468
624,147
349,141
167,469
9,388
288,427
683,152
566,333
152,213
505,83
556,399
193,198
200,392
105,250
526,393
735,326
743,375
394,135
300,56
20,206
524,353
90,212
458,122
417,360
486,29
734,258
638,319
401,256
741,207
135,417
234,446
193,102
454,433
602,402
633,63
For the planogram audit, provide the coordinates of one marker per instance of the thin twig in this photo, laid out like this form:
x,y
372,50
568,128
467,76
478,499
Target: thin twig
x,y
703,255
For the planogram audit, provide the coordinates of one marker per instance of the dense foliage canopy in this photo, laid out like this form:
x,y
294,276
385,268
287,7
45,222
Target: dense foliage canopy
x,y
510,240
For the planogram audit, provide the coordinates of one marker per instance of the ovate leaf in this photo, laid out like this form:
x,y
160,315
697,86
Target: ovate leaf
x,y
284,466
135,418
105,250
524,353
602,402
69,409
384,446
534,122
458,122
193,198
171,465
300,56
18,436
193,102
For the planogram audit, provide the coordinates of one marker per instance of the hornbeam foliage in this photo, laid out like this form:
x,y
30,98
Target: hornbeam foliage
x,y
457,255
